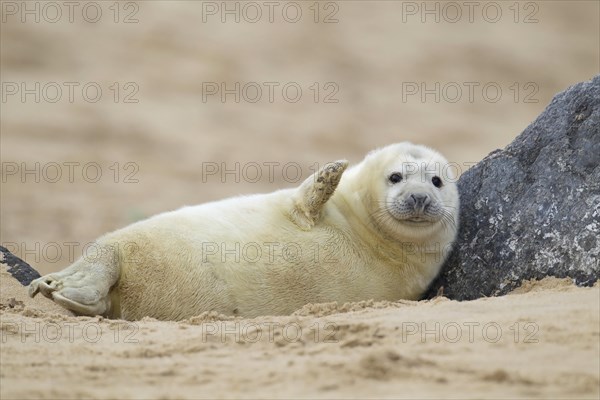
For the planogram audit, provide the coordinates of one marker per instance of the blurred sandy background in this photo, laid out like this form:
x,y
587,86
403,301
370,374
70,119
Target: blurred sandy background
x,y
373,51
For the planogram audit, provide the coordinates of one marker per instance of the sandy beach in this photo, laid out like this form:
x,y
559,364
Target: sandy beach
x,y
541,341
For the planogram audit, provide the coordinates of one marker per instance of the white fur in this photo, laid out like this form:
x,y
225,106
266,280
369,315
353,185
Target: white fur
x,y
176,265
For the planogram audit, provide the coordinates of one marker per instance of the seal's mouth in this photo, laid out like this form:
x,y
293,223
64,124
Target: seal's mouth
x,y
420,219
414,215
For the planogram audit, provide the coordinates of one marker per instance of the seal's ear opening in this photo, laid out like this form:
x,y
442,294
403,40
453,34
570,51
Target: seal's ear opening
x,y
313,193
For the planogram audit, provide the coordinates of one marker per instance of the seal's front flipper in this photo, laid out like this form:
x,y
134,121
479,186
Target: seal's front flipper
x,y
311,196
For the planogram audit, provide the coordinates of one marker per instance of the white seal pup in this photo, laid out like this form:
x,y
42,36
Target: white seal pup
x,y
381,230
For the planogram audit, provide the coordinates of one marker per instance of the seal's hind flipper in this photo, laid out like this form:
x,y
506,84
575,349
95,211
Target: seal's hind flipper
x,y
314,192
82,287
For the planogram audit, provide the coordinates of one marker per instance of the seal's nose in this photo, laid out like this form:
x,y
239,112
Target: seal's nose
x,y
419,201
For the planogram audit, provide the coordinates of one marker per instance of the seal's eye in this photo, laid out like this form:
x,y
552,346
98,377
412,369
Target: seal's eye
x,y
395,177
437,182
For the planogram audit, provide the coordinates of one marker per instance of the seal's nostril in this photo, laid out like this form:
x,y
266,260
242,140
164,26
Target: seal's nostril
x,y
420,200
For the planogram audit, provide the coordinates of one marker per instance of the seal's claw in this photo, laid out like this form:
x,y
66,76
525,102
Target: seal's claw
x,y
45,285
33,288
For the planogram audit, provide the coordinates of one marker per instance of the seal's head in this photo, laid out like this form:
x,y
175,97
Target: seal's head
x,y
412,191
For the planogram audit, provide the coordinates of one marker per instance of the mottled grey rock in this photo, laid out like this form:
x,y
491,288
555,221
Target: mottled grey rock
x,y
533,209
18,268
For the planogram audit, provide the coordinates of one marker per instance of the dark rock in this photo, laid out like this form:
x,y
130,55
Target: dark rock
x,y
18,268
533,209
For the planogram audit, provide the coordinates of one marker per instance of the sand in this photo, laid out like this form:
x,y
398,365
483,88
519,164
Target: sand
x,y
153,156
541,341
